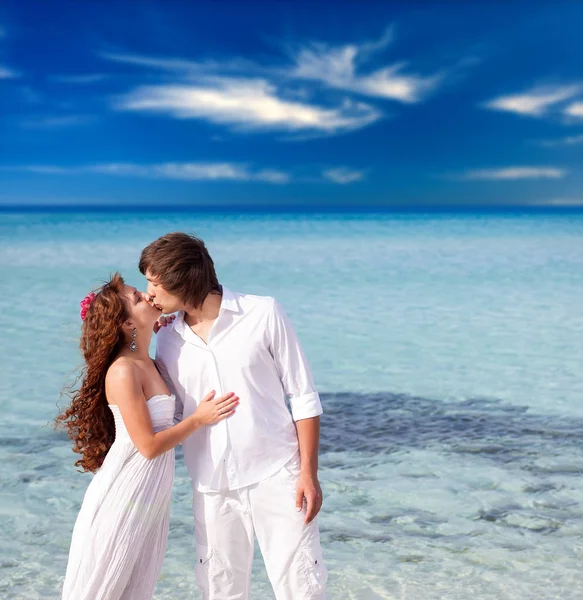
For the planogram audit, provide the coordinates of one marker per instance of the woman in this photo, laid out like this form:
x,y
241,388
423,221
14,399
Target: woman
x,y
121,422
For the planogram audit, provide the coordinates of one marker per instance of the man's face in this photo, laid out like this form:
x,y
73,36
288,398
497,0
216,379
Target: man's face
x,y
141,311
160,298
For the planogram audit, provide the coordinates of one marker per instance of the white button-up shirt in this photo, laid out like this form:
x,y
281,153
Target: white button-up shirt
x,y
252,350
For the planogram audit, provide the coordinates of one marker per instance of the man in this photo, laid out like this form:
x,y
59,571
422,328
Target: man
x,y
255,472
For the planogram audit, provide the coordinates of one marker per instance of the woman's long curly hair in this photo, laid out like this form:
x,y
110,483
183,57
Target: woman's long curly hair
x,y
88,419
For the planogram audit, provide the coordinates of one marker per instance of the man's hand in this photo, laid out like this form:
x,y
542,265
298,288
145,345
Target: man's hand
x,y
163,322
308,487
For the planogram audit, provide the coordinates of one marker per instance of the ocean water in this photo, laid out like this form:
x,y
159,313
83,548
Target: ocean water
x,y
448,351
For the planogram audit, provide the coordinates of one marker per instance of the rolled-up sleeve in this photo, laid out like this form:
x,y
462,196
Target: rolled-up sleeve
x,y
293,368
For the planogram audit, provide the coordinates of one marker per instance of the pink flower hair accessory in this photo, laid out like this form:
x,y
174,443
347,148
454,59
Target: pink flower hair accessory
x,y
85,304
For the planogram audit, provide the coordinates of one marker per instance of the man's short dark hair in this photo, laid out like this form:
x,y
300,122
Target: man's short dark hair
x,y
182,265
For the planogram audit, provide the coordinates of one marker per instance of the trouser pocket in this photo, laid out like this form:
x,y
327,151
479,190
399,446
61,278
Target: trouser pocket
x,y
314,570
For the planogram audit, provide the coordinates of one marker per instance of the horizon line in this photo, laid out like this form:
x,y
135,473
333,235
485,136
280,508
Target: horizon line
x,y
289,209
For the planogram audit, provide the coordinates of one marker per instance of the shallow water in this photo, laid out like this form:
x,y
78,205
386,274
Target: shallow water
x,y
448,353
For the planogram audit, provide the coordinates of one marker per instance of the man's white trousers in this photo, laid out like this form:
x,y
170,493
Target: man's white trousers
x,y
224,526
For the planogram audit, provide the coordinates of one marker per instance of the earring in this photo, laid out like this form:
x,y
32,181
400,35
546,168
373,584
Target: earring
x,y
133,345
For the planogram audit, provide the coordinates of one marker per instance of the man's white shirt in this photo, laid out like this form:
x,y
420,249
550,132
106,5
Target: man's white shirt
x,y
253,351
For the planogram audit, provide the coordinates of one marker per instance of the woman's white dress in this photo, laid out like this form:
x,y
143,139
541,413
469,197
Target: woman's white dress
x,y
120,535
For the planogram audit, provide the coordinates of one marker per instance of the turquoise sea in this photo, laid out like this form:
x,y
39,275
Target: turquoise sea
x,y
448,351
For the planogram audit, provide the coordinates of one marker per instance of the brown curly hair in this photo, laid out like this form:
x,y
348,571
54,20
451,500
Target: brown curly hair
x,y
88,419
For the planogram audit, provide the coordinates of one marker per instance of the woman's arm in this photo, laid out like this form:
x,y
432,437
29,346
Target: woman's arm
x,y
124,389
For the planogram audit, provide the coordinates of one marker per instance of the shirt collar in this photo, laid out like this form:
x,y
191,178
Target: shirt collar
x,y
228,302
179,324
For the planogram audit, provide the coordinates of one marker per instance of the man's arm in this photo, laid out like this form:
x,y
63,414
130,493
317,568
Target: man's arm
x,y
298,384
308,485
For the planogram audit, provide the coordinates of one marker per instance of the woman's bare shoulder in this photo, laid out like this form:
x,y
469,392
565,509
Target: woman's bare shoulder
x,y
123,376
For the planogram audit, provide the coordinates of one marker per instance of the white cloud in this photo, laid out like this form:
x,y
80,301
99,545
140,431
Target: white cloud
x,y
245,95
169,64
194,171
510,173
31,96
575,109
571,140
200,171
337,67
41,169
272,176
57,122
79,79
535,102
566,202
343,175
252,104
186,67
6,73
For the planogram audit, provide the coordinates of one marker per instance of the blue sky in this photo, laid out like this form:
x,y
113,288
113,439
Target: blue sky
x,y
276,104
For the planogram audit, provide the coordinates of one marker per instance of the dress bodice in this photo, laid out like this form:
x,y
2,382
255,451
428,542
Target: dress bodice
x,y
161,407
